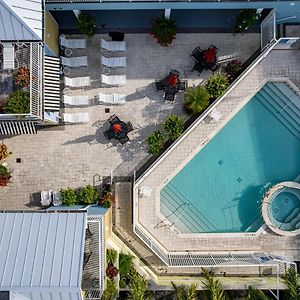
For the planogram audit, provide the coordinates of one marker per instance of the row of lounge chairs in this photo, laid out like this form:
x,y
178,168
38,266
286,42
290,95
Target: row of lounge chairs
x,y
84,100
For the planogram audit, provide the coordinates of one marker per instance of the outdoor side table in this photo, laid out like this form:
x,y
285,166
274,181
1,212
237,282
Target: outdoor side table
x,y
67,71
68,52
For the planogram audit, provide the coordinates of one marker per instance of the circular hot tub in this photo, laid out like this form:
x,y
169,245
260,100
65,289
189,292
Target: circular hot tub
x,y
281,208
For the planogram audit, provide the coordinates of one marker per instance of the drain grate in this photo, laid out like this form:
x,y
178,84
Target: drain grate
x,y
18,160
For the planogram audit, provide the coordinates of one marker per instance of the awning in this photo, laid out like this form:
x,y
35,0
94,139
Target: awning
x,y
17,127
51,84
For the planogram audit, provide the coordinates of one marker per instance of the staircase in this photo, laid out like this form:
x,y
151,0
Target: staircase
x,y
284,103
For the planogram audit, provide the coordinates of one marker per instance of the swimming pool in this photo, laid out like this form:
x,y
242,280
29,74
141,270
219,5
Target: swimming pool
x,y
221,188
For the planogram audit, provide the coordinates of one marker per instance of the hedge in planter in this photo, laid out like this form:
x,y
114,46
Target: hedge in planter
x,y
88,195
233,69
18,103
217,85
68,197
246,19
86,24
196,100
5,175
173,125
164,30
155,142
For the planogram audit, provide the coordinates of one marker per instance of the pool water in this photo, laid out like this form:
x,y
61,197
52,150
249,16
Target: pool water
x,y
221,188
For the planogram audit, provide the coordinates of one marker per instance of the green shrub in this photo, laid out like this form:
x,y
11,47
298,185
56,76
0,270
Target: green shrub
x,y
246,19
18,103
125,264
122,283
196,100
232,69
217,85
86,24
173,125
111,256
155,142
110,291
164,30
68,197
88,195
138,288
5,175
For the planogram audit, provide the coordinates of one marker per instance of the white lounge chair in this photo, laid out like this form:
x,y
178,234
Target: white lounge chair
x,y
46,198
56,199
216,115
74,62
72,43
113,79
76,118
76,100
116,99
8,56
78,81
113,62
112,45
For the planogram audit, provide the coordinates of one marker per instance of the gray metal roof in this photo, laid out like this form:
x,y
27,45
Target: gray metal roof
x,y
21,20
41,251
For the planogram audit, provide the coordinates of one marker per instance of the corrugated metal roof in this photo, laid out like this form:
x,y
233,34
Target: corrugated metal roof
x,y
21,20
41,250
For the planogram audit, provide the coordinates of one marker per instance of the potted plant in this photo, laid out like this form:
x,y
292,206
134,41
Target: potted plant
x,y
18,103
196,100
22,78
233,69
217,85
246,19
88,195
86,24
3,152
173,125
155,142
68,197
107,200
5,175
164,30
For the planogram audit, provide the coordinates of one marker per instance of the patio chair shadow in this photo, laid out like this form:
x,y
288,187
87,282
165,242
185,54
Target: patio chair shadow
x,y
35,201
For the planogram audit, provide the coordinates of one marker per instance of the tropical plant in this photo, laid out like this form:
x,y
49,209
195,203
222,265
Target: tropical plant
x,y
3,152
164,30
18,103
125,264
86,24
68,197
246,19
256,294
196,100
138,288
155,142
185,293
5,175
111,271
107,200
292,282
213,287
232,69
22,78
216,85
111,256
88,195
173,125
110,291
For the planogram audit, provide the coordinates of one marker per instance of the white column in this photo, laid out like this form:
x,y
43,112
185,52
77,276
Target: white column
x,y
167,13
76,13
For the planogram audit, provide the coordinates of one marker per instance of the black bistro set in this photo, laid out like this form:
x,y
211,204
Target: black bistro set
x,y
205,59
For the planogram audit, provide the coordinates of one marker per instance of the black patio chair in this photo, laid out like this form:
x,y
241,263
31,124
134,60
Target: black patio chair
x,y
198,67
183,85
159,84
174,72
197,53
113,119
124,140
214,67
169,97
109,134
129,126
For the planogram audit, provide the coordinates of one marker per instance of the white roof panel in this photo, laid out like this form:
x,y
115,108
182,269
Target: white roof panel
x,y
21,20
41,250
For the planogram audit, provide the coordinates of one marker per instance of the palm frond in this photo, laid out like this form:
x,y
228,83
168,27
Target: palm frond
x,y
291,281
255,294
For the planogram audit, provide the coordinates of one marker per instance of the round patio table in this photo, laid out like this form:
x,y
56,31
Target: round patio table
x,y
119,130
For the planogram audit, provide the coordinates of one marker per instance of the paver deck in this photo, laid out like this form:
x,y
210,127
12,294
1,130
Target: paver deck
x,y
76,155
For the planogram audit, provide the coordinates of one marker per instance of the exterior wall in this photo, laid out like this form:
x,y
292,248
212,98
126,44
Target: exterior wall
x,y
51,33
284,8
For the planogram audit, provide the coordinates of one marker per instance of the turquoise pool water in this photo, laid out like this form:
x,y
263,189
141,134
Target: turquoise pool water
x,y
221,188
